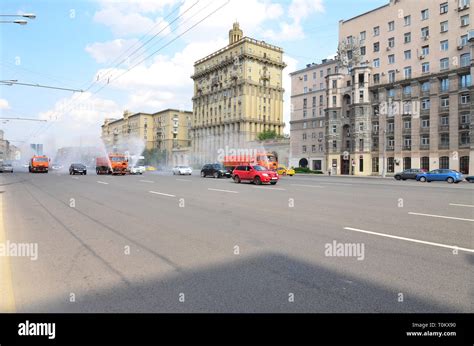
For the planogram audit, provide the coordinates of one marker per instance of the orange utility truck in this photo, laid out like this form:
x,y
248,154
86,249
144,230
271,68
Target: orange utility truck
x,y
38,163
267,160
113,164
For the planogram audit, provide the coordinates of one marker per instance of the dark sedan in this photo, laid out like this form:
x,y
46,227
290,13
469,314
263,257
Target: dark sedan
x,y
215,170
77,168
408,174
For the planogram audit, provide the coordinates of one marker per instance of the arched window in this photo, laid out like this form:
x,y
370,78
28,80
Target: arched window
x,y
407,163
425,163
444,162
464,164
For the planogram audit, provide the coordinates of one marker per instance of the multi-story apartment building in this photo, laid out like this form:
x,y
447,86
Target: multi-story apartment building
x,y
4,147
308,114
165,130
238,93
403,96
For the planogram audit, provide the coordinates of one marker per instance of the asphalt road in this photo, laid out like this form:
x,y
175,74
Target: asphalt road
x,y
162,243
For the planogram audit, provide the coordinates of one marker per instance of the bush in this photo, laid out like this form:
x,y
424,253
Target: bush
x,y
306,170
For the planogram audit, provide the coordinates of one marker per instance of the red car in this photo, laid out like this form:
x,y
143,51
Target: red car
x,y
256,174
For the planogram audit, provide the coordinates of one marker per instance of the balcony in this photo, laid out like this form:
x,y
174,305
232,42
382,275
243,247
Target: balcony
x,y
443,146
406,131
424,130
424,147
443,128
464,126
390,149
406,147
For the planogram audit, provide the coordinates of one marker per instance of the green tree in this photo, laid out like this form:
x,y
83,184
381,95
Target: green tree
x,y
267,134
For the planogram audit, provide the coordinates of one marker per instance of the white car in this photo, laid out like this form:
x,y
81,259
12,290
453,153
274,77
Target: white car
x,y
137,170
182,170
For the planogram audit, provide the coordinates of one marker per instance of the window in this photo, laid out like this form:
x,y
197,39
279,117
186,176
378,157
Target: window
x,y
407,124
444,139
377,62
391,59
445,103
465,81
313,148
425,163
314,75
305,78
334,128
444,26
444,120
407,89
377,46
362,50
363,35
425,50
465,138
465,99
376,31
376,78
407,106
464,3
425,14
465,20
425,140
425,123
375,164
391,92
444,84
444,162
304,148
425,32
407,163
443,8
334,100
407,20
407,142
391,26
407,72
407,37
390,165
465,60
305,90
334,144
444,64
321,73
305,125
464,40
425,104
407,54
304,136
425,67
425,86
391,76
391,42
444,45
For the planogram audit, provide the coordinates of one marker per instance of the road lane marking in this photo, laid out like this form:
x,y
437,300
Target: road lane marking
x,y
7,298
229,191
75,178
307,185
102,182
442,217
184,180
410,239
161,193
462,205
147,181
269,188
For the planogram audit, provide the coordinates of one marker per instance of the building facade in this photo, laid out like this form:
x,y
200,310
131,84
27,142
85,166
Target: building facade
x,y
164,130
308,115
238,94
403,95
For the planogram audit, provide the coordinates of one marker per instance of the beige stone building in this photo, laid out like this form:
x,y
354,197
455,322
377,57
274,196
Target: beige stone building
x,y
403,97
238,93
308,115
165,130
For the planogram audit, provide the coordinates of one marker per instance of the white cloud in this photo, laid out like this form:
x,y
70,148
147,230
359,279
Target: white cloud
x,y
130,23
77,116
301,9
287,32
4,104
105,52
143,6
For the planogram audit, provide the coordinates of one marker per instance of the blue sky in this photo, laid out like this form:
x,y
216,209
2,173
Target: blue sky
x,y
71,42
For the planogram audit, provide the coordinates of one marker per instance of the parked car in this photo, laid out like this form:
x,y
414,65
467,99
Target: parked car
x,y
409,174
6,167
256,174
448,175
282,170
137,170
56,166
182,170
470,178
215,170
78,168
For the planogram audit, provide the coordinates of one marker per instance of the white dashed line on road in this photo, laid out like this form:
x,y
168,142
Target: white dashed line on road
x,y
184,180
228,191
147,181
410,239
442,217
269,188
102,182
162,194
75,178
302,185
462,205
